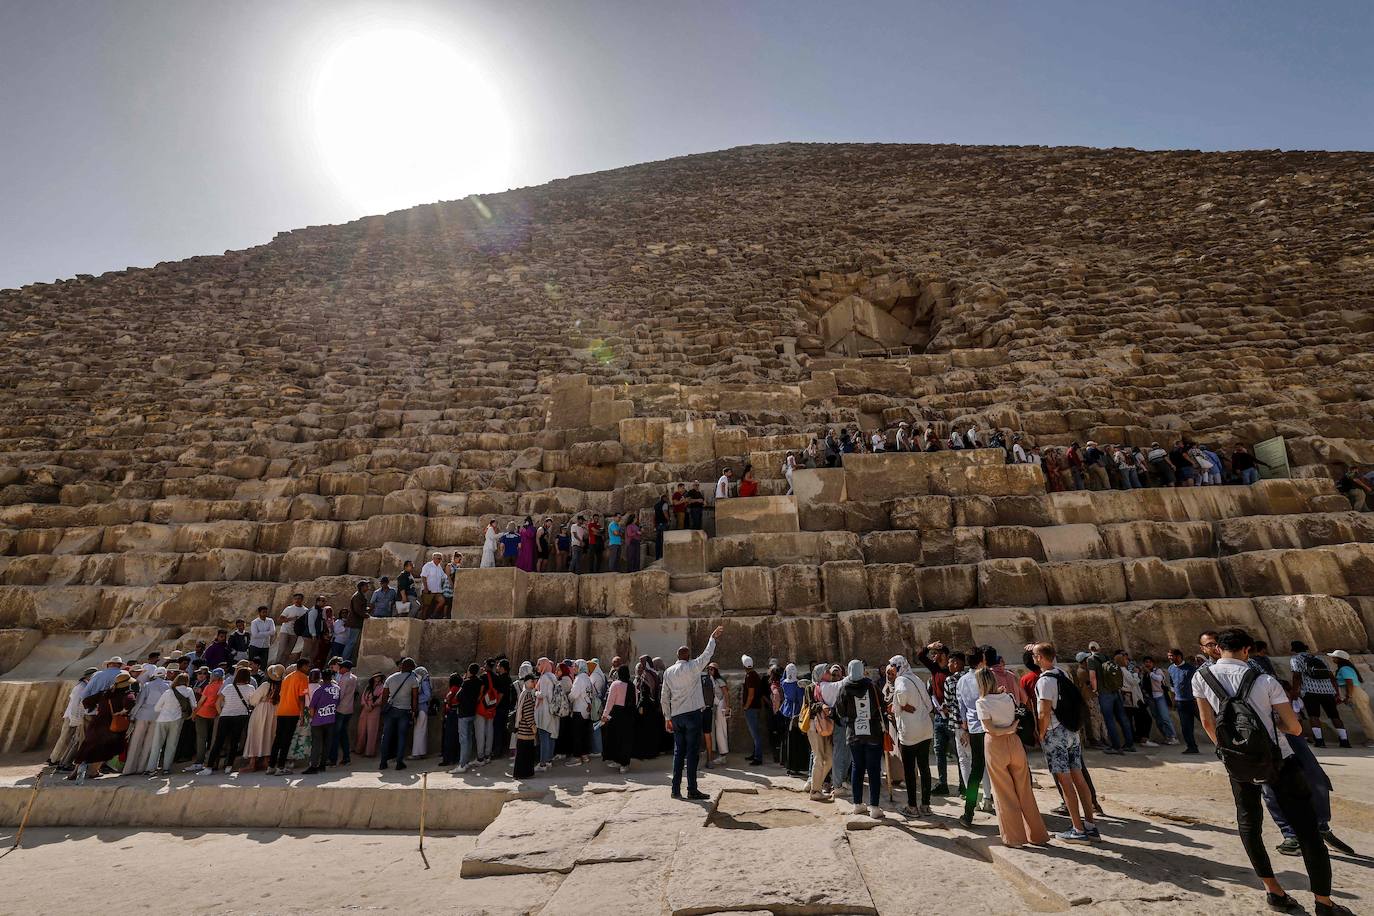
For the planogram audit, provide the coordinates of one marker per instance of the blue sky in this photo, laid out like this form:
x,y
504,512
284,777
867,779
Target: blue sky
x,y
136,132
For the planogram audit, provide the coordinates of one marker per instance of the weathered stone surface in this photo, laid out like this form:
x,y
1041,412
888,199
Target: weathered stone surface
x,y
684,552
756,515
499,592
746,588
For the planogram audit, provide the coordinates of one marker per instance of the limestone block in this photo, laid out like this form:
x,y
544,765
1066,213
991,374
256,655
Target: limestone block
x,y
15,645
1014,582
642,437
494,592
684,552
989,480
431,477
377,530
279,537
799,638
1016,510
747,588
137,536
1321,621
891,475
1153,578
38,540
921,512
1166,540
457,530
405,502
689,442
770,399
699,602
218,565
140,567
486,503
1084,582
947,587
756,515
1356,563
394,638
310,505
946,548
1071,542
312,563
552,595
1072,628
28,713
893,585
798,589
1155,627
202,603
1010,541
813,486
952,629
872,635
845,585
550,501
641,594
233,535
32,570
445,504
891,546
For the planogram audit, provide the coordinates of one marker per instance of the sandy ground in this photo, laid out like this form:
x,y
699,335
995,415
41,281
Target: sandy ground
x,y
1169,841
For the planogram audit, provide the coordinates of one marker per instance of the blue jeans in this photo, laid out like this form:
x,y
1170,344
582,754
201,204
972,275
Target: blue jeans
x,y
545,746
1187,715
1161,711
338,743
1130,478
1249,476
944,739
868,758
751,719
844,756
350,649
467,740
1114,712
686,749
396,726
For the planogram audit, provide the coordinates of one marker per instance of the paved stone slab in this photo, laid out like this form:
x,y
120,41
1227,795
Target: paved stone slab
x,y
536,836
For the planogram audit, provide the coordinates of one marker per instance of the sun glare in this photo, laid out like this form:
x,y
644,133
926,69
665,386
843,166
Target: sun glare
x,y
403,118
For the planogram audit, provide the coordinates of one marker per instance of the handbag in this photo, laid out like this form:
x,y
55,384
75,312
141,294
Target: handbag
x,y
804,718
824,724
119,721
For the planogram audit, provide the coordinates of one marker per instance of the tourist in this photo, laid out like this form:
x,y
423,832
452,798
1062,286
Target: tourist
x,y
261,630
796,751
547,718
1259,658
1158,699
107,725
382,604
73,724
433,578
207,710
682,702
617,721
451,570
216,654
232,703
488,702
1181,678
347,683
354,620
544,545
1316,684
1231,679
1245,465
1350,692
500,731
789,466
723,483
173,708
577,545
696,506
967,695
527,550
323,708
579,723
143,718
525,751
290,702
400,701
286,630
820,735
1095,466
262,723
510,546
565,738
752,699
777,722
596,544
938,661
1018,816
861,707
419,742
299,748
663,512
748,485
490,542
716,718
370,718
1133,699
913,713
563,546
633,551
1060,710
238,641
1105,677
679,505
450,732
615,540
337,628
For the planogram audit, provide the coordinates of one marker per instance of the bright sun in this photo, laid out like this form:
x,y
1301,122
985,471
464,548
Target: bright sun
x,y
401,118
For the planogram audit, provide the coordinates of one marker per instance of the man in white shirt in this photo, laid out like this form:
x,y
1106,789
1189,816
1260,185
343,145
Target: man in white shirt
x,y
143,718
73,724
967,692
347,682
682,702
577,545
1018,454
1266,696
1063,749
286,635
434,577
903,437
260,633
912,712
878,441
723,484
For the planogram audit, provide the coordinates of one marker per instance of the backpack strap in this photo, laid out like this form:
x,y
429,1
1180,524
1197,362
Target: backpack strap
x,y
1216,684
1247,682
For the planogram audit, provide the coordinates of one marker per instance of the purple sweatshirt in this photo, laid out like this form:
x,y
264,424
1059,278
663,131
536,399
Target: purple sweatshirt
x,y
323,703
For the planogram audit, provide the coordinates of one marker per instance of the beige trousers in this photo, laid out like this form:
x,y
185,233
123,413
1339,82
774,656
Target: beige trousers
x,y
822,753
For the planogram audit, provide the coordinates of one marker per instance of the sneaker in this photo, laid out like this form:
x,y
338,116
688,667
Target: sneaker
x,y
193,768
1113,751
1336,843
1148,744
875,812
698,796
625,768
1073,836
1289,847
1092,832
1345,742
541,767
1332,909
966,819
571,762
1129,749
926,811
941,789
310,771
909,811
402,766
228,770
271,771
460,770
1062,811
817,796
1319,744
1284,903
858,809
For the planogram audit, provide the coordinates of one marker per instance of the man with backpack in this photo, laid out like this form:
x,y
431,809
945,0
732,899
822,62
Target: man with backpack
x,y
1060,708
1104,674
1238,706
1314,681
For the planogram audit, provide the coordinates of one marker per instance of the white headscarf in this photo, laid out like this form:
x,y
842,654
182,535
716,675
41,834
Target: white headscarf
x,y
789,674
856,670
746,661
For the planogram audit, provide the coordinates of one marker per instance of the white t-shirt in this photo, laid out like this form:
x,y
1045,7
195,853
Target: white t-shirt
x,y
1047,688
233,704
340,630
997,708
291,612
260,632
723,487
578,533
400,683
1156,683
912,727
168,709
434,576
1264,695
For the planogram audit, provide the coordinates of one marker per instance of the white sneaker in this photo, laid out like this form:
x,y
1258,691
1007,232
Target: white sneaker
x,y
858,809
1148,744
875,812
193,768
460,770
541,767
228,770
625,768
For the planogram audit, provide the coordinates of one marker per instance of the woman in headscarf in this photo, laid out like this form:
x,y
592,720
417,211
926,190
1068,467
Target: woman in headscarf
x,y
419,744
370,719
262,724
107,728
490,541
649,728
913,713
721,719
1018,816
862,708
618,721
564,740
580,722
526,553
526,749
797,757
821,745
777,722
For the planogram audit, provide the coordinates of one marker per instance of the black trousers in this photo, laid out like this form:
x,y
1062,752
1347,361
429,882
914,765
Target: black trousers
x,y
281,744
228,737
913,756
1295,800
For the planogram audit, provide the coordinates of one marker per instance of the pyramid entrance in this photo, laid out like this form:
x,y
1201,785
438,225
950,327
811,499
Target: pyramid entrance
x,y
876,314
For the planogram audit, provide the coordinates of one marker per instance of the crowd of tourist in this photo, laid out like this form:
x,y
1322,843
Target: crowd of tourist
x,y
842,729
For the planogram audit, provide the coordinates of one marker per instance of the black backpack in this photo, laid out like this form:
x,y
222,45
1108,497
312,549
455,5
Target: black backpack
x,y
1068,709
1244,744
1315,668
